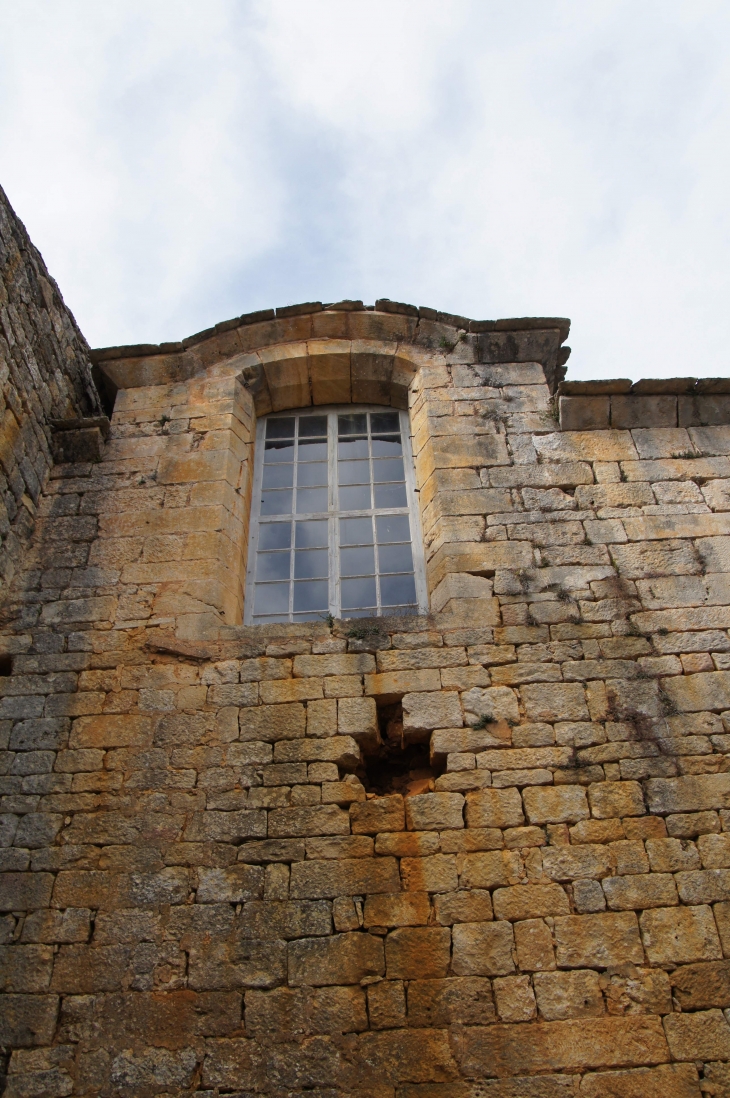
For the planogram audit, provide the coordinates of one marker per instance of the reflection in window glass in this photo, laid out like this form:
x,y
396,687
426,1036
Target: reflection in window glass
x,y
331,523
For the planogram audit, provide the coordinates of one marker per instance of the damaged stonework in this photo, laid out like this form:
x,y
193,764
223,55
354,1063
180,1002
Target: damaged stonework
x,y
45,372
482,852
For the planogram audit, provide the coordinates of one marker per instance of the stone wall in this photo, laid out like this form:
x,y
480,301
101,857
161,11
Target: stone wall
x,y
45,373
482,853
676,402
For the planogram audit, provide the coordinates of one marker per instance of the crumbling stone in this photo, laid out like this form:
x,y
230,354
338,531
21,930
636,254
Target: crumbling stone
x,y
209,875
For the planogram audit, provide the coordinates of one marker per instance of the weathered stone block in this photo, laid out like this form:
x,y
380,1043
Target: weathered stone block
x,y
397,909
483,949
575,1045
598,940
562,995
494,808
703,886
701,985
418,953
584,413
27,1020
534,944
554,702
690,793
704,1035
490,869
667,1081
568,863
343,877
317,820
465,1000
25,891
341,959
530,901
611,799
562,804
434,811
358,717
233,885
640,891
380,814
496,703
387,1004
425,711
467,906
680,935
437,873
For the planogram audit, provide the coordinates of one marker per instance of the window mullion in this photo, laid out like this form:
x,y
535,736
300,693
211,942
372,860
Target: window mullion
x,y
333,525
376,557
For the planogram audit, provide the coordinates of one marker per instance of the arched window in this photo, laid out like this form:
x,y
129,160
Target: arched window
x,y
334,517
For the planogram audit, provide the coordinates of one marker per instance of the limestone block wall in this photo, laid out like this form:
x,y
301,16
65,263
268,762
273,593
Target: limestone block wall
x,y
45,373
676,402
481,853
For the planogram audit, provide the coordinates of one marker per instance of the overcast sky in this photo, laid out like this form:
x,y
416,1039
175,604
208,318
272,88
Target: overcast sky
x,y
180,162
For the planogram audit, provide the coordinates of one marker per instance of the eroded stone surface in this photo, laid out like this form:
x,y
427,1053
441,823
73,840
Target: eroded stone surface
x,y
203,886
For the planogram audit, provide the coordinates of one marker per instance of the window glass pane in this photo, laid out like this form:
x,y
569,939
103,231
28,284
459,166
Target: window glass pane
x,y
392,528
397,589
384,421
311,535
311,500
278,451
353,472
395,558
313,473
384,446
311,595
310,426
271,598
357,562
272,566
303,563
275,535
280,428
276,503
355,499
352,448
390,495
356,531
312,449
388,469
310,564
355,424
278,476
357,593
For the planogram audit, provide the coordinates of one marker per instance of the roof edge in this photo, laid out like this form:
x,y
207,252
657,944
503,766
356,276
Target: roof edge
x,y
382,305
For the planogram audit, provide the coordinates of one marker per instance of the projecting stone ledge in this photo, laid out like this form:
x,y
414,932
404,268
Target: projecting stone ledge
x,y
650,403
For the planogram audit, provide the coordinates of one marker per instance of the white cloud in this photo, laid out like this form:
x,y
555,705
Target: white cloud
x,y
178,164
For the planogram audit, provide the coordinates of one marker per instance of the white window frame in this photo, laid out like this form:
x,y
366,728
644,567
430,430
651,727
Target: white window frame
x,y
333,514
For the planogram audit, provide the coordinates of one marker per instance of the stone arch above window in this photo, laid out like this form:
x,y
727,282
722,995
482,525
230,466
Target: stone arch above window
x,y
331,371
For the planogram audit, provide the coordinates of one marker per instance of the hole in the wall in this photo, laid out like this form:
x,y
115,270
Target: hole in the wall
x,y
399,765
6,665
106,388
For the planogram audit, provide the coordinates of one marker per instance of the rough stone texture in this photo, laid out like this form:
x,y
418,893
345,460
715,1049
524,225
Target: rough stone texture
x,y
204,887
45,376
